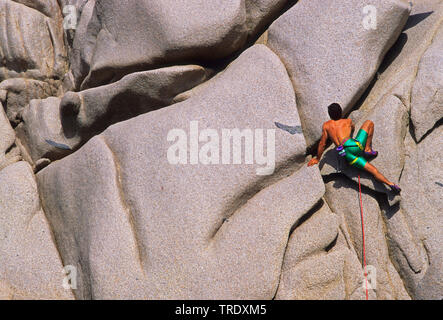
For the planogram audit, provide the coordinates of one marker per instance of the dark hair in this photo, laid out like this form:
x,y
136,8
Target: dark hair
x,y
335,111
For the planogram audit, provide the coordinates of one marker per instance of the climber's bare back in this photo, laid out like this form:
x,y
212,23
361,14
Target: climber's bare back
x,y
338,130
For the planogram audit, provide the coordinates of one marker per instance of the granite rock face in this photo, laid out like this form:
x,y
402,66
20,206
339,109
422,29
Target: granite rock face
x,y
318,263
389,102
221,212
422,210
310,39
161,33
6,132
30,266
18,92
342,196
427,93
33,56
9,153
76,117
158,149
32,42
41,124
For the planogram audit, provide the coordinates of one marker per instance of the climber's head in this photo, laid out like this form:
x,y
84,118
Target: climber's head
x,y
335,111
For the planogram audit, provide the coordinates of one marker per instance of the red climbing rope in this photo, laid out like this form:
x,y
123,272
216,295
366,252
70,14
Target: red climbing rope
x,y
363,235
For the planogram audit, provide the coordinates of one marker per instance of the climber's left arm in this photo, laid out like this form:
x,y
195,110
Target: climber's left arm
x,y
321,147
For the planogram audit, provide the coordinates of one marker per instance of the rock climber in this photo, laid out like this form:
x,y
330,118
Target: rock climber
x,y
353,149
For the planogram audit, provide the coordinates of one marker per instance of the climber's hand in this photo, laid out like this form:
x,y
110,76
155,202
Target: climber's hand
x,y
312,162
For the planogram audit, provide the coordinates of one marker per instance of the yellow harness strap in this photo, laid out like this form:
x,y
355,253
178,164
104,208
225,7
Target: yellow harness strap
x,y
359,144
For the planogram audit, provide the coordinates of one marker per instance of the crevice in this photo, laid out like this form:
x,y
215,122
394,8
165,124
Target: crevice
x,y
215,65
52,233
427,251
383,204
392,245
54,46
403,103
12,146
343,227
266,24
285,170
126,206
436,126
390,56
307,215
412,130
363,97
430,42
297,223
330,246
393,52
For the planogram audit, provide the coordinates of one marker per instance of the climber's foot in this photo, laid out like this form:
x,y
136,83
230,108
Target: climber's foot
x,y
395,188
371,153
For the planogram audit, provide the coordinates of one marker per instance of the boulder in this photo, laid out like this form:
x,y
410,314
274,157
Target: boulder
x,y
389,100
241,260
83,47
7,134
422,206
398,71
319,277
19,92
41,131
180,230
396,80
161,33
427,92
312,236
30,267
32,44
91,111
49,8
75,118
313,245
320,261
310,39
342,197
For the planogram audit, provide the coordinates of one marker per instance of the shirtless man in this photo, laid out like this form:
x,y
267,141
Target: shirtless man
x,y
353,149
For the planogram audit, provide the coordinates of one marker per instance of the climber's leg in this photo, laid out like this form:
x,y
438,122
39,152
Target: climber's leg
x,y
368,127
373,170
355,161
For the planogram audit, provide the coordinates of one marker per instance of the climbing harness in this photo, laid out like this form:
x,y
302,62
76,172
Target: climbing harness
x,y
341,153
341,148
